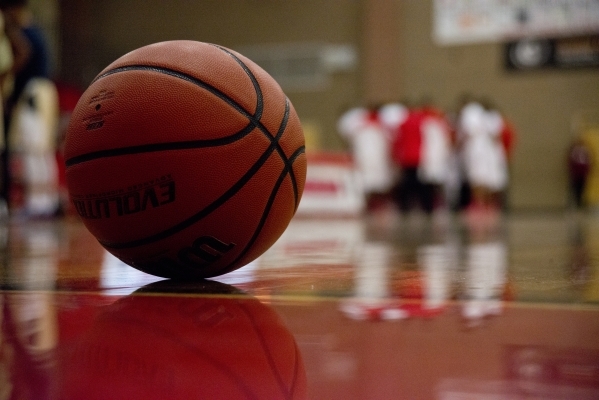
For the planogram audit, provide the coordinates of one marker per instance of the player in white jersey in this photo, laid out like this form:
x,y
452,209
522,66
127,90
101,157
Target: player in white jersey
x,y
32,139
483,154
369,142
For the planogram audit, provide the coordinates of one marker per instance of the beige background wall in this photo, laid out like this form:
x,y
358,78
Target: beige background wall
x,y
97,32
396,59
541,104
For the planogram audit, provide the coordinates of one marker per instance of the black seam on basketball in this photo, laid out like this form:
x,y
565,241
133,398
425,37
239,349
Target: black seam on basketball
x,y
198,82
202,213
284,158
292,159
257,88
155,147
180,267
266,211
259,98
208,209
181,75
259,95
253,120
286,161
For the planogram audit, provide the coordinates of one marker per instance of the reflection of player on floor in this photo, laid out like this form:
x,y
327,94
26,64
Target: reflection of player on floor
x,y
485,279
29,333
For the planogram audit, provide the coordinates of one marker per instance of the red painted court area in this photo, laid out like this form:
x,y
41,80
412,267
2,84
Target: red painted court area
x,y
348,308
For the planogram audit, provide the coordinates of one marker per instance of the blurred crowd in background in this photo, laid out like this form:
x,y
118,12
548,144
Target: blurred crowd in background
x,y
34,118
411,156
421,157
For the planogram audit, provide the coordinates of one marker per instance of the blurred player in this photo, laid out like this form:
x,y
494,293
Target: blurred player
x,y
33,113
32,140
484,156
6,65
370,148
392,115
436,148
421,149
579,167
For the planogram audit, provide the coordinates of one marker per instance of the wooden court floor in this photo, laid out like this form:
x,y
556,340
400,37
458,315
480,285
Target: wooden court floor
x,y
380,307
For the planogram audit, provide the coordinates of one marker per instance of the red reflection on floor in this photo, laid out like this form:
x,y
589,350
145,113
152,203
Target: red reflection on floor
x,y
338,309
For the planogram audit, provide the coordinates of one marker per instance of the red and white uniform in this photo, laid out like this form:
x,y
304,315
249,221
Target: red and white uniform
x,y
370,148
483,151
408,141
32,137
392,115
435,151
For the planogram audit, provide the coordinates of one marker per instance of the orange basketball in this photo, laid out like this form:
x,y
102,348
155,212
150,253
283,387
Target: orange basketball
x,y
185,159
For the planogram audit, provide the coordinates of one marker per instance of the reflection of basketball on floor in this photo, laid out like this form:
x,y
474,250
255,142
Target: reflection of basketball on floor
x,y
185,159
176,347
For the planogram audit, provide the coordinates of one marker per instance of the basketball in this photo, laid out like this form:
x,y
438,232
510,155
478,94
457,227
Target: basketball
x,y
185,159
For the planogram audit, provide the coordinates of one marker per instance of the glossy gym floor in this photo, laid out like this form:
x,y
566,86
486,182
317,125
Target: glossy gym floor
x,y
377,307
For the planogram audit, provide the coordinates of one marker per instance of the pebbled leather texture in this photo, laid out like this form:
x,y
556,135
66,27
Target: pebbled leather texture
x,y
180,141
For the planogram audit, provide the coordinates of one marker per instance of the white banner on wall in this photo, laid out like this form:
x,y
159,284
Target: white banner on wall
x,y
476,21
